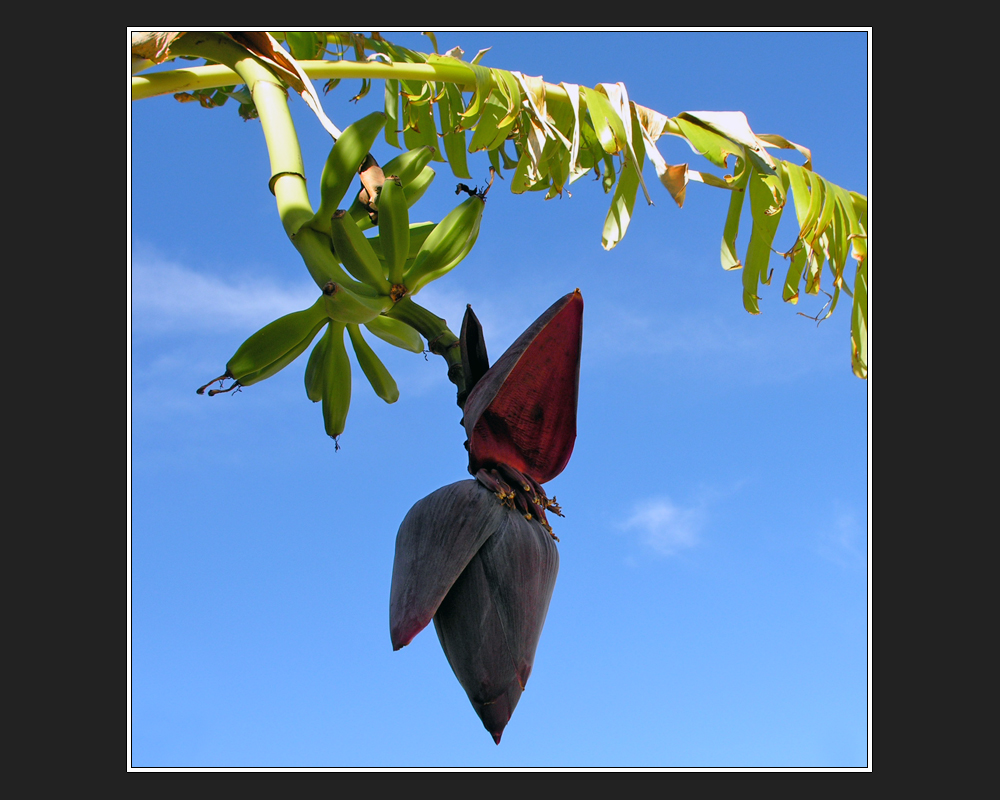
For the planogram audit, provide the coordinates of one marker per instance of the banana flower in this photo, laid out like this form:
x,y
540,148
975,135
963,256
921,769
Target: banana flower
x,y
479,556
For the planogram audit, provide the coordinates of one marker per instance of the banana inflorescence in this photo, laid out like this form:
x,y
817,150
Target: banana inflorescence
x,y
377,271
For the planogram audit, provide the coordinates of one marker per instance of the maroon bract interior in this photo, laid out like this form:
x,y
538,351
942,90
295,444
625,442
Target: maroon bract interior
x,y
523,411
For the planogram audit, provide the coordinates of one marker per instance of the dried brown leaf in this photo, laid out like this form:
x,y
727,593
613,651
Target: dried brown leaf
x,y
153,45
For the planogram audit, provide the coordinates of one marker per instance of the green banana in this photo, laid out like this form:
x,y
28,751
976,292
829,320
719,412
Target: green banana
x,y
378,376
316,250
343,305
419,231
407,166
336,381
449,242
315,368
394,228
415,189
276,366
353,249
273,344
342,165
397,333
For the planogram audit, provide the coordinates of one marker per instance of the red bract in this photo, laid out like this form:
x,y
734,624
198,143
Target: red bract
x,y
523,411
478,557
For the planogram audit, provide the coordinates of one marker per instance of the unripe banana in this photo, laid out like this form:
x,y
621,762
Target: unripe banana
x,y
407,166
449,242
419,231
336,381
397,333
355,251
342,165
378,376
315,369
316,250
394,228
415,189
276,366
343,305
275,341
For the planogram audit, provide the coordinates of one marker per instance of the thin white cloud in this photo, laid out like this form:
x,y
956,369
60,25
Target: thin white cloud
x,y
665,527
168,297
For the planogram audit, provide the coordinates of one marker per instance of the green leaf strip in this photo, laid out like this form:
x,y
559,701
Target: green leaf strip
x,y
706,142
618,96
730,260
859,321
784,144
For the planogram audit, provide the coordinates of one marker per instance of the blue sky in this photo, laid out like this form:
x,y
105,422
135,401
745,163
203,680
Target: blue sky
x,y
711,608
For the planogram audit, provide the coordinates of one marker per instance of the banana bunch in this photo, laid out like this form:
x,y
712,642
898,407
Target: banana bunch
x,y
364,275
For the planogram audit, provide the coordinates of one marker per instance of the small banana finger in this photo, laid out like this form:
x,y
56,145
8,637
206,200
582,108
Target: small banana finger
x,y
396,332
342,165
407,166
275,341
394,228
355,251
276,366
378,376
450,241
336,381
315,369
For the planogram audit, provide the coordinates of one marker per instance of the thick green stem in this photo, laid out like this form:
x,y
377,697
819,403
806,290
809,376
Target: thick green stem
x,y
288,181
212,77
440,340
